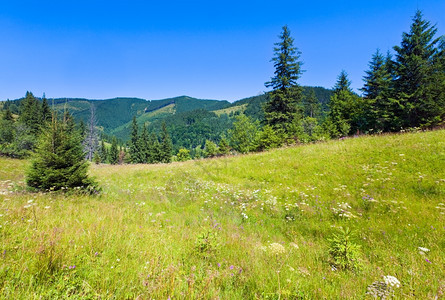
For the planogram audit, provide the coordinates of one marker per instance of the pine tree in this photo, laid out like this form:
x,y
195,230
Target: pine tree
x,y
312,106
30,113
223,146
155,149
45,111
166,145
377,79
103,153
8,115
59,160
113,156
285,99
343,83
144,147
414,66
380,106
286,63
343,108
134,151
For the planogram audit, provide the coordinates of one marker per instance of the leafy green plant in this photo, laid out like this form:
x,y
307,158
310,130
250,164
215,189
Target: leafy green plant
x,y
206,243
345,253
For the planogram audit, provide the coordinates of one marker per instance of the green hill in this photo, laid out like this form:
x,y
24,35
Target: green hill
x,y
254,226
190,121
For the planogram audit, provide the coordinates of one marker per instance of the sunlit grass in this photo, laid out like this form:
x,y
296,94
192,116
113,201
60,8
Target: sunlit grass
x,y
204,229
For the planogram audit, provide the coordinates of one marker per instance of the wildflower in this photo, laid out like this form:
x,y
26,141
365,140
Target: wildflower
x,y
277,249
423,250
231,267
295,246
391,281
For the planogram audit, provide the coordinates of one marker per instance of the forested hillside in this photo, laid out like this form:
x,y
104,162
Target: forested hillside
x,y
191,121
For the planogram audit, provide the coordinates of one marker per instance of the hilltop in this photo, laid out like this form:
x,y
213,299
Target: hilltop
x,y
195,119
247,226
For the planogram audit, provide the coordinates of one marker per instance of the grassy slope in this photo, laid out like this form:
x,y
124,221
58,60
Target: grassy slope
x,y
139,237
239,108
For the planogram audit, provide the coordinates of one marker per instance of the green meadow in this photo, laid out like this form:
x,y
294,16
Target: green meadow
x,y
256,226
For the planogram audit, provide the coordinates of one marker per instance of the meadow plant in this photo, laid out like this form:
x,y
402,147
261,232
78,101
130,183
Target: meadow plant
x,y
345,253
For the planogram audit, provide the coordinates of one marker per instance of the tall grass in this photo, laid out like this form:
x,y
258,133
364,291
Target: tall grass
x,y
251,226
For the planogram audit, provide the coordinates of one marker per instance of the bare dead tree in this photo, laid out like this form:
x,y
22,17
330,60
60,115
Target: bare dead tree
x,y
91,142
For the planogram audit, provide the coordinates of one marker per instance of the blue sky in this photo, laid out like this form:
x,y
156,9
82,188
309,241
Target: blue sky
x,y
204,49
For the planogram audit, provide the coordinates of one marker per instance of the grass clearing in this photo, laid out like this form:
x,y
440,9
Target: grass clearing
x,y
249,226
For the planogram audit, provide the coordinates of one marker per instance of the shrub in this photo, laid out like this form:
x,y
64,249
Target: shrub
x,y
344,252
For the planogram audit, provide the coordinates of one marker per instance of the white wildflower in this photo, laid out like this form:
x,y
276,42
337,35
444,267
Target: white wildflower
x,y
423,250
391,281
276,249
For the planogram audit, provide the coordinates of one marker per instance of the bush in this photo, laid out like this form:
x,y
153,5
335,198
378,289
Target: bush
x,y
183,155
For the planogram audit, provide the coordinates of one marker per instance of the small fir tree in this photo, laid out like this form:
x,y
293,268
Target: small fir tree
x,y
59,160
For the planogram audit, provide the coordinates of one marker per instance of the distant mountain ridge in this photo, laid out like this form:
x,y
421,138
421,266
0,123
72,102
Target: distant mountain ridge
x,y
190,120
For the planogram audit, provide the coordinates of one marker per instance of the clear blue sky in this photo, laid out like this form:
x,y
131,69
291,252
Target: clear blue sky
x,y
204,49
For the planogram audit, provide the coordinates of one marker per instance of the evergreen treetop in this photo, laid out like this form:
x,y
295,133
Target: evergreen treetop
x,y
286,63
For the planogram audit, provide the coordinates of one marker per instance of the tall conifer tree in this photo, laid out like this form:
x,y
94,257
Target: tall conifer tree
x,y
166,145
285,99
415,70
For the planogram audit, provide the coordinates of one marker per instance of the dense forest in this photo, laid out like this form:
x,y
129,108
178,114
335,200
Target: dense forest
x,y
403,90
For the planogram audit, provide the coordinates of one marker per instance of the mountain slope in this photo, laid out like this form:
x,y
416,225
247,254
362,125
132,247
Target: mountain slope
x,y
196,119
241,227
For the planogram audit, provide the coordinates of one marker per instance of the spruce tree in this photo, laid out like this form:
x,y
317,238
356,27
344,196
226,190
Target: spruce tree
x,y
380,106
103,153
166,145
134,151
223,146
343,83
30,114
59,161
415,68
113,155
155,149
312,106
144,147
343,108
8,115
285,99
45,112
